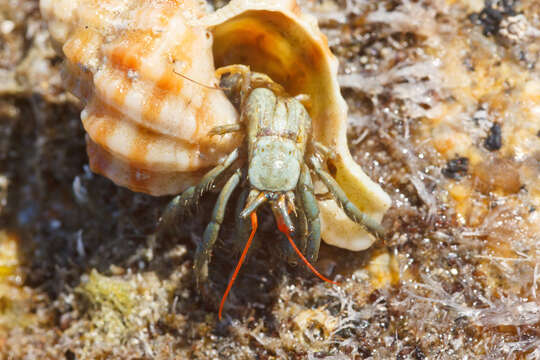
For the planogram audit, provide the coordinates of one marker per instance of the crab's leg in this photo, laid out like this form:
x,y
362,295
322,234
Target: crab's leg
x,y
303,229
324,150
180,205
243,70
233,69
311,211
243,226
324,196
301,233
341,198
177,208
207,182
281,210
204,250
281,213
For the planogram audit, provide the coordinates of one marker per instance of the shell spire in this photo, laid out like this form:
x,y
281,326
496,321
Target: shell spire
x,y
147,127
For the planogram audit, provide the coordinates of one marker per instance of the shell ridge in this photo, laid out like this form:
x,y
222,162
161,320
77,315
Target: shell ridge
x,y
108,134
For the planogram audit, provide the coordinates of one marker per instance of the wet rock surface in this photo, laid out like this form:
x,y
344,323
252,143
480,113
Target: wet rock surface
x,y
428,84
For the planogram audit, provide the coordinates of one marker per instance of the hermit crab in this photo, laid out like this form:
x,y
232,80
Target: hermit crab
x,y
161,119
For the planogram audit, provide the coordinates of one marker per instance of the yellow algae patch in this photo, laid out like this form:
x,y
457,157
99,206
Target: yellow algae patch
x,y
117,293
484,84
470,213
383,270
319,317
122,305
460,194
9,260
451,143
111,301
15,300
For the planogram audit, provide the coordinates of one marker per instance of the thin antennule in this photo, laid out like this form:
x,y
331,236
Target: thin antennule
x,y
198,83
283,228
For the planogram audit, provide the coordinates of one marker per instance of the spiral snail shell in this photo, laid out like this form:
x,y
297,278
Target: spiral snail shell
x,y
147,127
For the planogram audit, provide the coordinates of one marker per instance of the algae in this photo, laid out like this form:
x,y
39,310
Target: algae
x,y
84,277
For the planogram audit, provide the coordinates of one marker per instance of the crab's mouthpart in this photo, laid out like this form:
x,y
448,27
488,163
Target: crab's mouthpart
x,y
282,209
255,199
282,205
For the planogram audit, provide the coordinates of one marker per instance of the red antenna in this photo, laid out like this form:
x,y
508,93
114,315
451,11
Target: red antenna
x,y
239,265
283,228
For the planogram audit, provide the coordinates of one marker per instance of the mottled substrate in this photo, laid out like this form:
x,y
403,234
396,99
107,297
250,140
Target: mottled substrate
x,y
445,114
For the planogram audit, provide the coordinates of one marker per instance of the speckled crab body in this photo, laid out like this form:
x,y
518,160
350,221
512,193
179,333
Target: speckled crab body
x,y
148,128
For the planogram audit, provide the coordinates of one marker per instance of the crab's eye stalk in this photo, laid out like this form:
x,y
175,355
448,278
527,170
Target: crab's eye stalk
x,y
240,262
